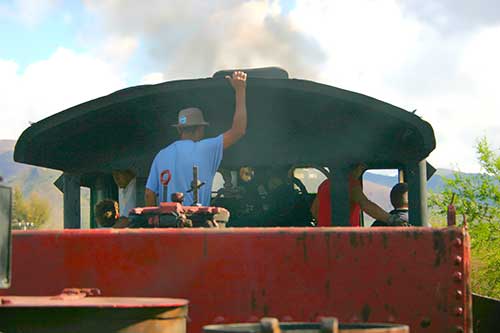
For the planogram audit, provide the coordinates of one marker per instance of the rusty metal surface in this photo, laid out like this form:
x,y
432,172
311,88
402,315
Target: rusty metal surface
x,y
309,328
83,310
326,325
414,276
93,302
84,320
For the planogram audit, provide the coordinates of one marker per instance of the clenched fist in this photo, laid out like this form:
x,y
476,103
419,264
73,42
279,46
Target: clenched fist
x,y
238,80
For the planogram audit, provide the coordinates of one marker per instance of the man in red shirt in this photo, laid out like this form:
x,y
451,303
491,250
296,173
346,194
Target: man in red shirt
x,y
321,206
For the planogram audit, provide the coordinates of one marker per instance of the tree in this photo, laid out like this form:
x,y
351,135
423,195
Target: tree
x,y
19,205
478,198
35,210
39,211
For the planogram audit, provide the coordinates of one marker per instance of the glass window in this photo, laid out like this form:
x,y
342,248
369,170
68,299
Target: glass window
x,y
218,182
310,177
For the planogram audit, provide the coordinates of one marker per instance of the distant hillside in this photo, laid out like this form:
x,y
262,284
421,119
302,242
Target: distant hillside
x,y
435,183
40,180
34,179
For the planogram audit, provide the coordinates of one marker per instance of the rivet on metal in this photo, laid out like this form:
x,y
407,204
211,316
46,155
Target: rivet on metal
x,y
457,260
457,276
457,242
458,294
459,311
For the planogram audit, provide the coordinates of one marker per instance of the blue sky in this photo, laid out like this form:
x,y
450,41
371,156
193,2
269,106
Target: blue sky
x,y
28,42
440,59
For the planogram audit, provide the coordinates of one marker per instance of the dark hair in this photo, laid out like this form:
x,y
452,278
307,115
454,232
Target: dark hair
x,y
398,198
105,213
189,130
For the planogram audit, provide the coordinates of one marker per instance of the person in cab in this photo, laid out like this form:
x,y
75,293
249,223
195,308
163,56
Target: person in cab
x,y
321,207
192,149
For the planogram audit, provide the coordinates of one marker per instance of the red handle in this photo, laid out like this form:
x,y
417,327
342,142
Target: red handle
x,y
164,180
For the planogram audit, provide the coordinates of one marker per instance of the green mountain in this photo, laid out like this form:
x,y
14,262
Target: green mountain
x,y
40,180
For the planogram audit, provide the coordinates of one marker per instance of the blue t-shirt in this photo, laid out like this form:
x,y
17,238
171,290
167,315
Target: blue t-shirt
x,y
180,157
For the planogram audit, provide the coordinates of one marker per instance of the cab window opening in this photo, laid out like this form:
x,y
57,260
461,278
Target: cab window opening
x,y
377,185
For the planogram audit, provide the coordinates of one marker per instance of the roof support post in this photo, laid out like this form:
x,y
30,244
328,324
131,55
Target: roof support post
x,y
103,187
71,189
140,188
416,175
401,176
339,189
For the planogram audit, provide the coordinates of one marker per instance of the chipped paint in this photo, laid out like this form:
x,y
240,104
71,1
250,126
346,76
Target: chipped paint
x,y
253,302
385,241
439,247
353,240
425,323
365,312
246,272
302,240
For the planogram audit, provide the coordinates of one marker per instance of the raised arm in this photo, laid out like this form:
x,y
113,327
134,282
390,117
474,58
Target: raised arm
x,y
237,131
368,206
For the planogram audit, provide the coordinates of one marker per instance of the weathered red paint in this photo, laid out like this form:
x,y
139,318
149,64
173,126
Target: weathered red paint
x,y
80,301
403,275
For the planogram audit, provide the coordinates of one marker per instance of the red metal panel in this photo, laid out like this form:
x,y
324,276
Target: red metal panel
x,y
415,276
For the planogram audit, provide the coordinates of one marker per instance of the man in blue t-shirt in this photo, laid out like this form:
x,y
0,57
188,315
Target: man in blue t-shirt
x,y
193,150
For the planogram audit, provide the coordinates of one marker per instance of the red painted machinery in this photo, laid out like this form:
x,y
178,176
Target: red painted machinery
x,y
416,276
83,310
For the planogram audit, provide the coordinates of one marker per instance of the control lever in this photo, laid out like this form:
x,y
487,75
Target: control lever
x,y
165,178
195,186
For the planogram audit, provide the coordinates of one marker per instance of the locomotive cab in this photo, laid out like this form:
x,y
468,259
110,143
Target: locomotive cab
x,y
415,276
290,122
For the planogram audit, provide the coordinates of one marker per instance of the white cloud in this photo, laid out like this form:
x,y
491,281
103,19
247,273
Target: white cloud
x,y
428,58
119,49
48,86
153,78
194,39
378,49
